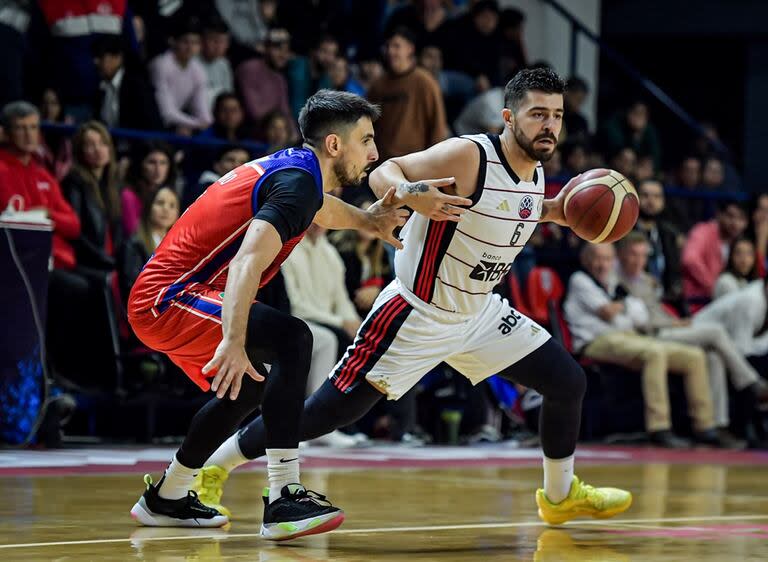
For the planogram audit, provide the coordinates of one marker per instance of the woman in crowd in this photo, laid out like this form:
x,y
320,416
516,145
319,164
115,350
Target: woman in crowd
x,y
160,212
152,167
741,268
91,188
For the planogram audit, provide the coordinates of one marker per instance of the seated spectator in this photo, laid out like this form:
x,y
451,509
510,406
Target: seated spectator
x,y
632,129
125,97
482,114
261,81
341,78
228,119
423,17
228,159
624,161
366,266
314,279
574,123
152,167
758,230
458,88
513,52
722,355
91,189
370,70
479,51
180,82
277,131
665,243
55,146
605,325
713,174
575,155
741,269
213,58
33,187
306,75
743,314
684,211
159,214
644,169
706,251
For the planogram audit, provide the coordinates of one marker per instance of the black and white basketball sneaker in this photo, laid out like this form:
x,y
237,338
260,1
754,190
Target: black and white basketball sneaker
x,y
297,513
153,511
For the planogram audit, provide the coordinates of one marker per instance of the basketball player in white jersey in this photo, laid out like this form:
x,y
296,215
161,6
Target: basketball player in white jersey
x,y
441,306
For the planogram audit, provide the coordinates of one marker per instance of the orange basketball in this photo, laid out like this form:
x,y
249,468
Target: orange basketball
x,y
601,205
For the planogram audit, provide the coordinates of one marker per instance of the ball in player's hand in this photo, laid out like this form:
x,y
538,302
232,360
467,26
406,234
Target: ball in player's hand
x,y
601,205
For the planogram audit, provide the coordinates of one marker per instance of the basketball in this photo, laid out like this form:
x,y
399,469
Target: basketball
x,y
601,205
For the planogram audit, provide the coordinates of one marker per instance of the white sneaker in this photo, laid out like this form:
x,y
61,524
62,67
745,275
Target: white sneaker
x,y
335,439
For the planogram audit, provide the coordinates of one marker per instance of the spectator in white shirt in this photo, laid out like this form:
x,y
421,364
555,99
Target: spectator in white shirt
x,y
722,355
180,82
314,279
605,326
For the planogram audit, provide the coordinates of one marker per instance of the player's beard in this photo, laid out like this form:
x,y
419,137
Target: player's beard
x,y
343,175
528,145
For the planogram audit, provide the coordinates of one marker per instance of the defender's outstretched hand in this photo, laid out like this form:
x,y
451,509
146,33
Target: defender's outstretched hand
x,y
385,215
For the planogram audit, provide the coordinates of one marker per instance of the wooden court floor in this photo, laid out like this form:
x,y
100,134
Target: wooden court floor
x,y
696,511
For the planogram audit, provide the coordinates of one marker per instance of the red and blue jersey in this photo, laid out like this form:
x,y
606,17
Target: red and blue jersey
x,y
284,189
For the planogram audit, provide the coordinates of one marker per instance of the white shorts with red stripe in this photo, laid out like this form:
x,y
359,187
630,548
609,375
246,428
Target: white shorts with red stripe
x,y
403,338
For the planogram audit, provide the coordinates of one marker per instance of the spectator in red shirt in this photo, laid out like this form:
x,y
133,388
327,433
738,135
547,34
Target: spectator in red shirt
x,y
706,252
31,185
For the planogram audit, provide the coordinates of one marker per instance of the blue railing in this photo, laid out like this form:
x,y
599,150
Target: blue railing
x,y
628,68
255,148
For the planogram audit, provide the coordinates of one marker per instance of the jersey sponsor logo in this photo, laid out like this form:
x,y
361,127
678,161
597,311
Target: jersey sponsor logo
x,y
526,207
503,206
508,322
228,177
490,271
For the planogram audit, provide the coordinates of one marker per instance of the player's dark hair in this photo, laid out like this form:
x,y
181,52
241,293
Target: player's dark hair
x,y
332,112
540,79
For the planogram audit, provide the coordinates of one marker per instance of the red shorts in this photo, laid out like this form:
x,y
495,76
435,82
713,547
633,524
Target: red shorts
x,y
188,331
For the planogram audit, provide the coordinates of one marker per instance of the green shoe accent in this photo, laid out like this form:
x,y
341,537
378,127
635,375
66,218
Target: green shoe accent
x,y
148,481
265,492
288,527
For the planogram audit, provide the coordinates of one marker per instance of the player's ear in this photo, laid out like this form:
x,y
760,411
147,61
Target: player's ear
x,y
508,116
333,144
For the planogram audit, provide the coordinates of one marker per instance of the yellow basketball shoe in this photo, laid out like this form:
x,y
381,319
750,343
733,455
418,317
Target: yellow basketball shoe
x,y
583,501
209,485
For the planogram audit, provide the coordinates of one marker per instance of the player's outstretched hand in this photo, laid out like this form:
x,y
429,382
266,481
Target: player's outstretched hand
x,y
230,363
426,198
385,215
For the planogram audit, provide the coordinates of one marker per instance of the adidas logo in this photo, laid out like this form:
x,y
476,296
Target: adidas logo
x,y
503,206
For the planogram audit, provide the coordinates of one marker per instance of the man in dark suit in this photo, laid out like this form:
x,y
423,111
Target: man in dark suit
x,y
125,97
665,241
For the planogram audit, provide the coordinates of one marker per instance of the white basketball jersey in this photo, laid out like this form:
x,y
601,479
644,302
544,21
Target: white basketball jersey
x,y
455,266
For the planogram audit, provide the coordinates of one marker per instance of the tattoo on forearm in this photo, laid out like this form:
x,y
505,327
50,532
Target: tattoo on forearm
x,y
414,187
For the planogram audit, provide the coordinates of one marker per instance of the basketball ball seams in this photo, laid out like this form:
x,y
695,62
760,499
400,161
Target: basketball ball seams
x,y
611,216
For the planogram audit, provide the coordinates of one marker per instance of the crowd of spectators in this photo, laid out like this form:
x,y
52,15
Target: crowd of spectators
x,y
224,75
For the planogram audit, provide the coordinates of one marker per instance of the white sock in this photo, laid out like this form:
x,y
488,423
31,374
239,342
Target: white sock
x,y
177,481
228,456
558,476
282,469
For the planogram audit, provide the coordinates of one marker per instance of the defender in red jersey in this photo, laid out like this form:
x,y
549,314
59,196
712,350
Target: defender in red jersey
x,y
195,301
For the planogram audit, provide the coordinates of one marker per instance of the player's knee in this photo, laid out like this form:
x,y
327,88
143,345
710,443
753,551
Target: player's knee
x,y
571,383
